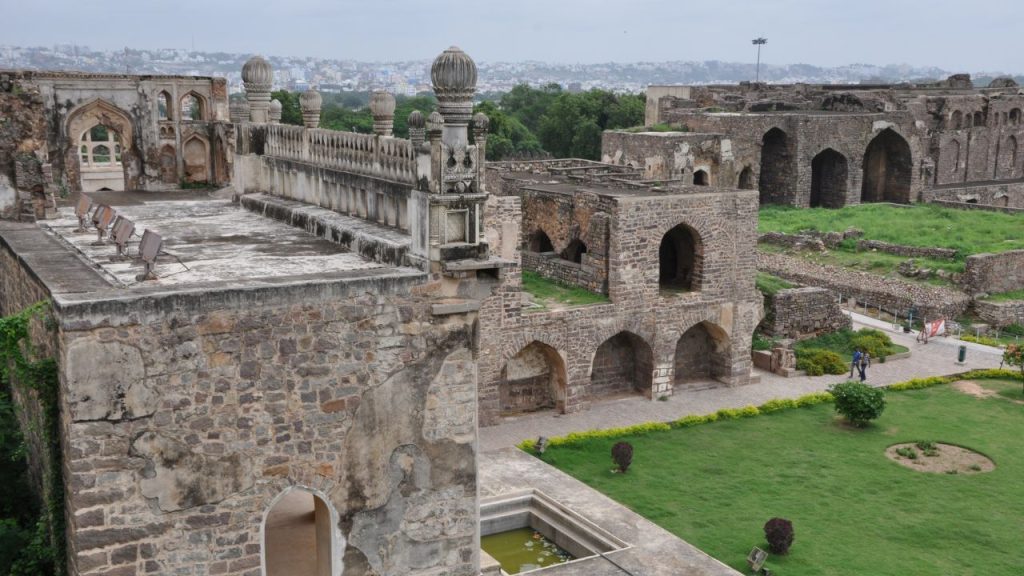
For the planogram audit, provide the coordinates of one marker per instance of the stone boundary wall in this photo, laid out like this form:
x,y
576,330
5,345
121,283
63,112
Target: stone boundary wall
x,y
988,196
1000,313
801,313
890,294
994,273
909,251
551,266
971,206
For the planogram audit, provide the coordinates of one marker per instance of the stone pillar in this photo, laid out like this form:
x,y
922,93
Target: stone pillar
x,y
481,123
258,77
417,128
453,74
382,106
274,111
239,111
310,102
435,124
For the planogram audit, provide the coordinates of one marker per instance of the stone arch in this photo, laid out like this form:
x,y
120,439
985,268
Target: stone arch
x,y
1010,155
680,259
168,164
192,106
777,170
979,119
956,120
700,178
574,251
164,107
300,535
702,353
533,379
1014,118
887,169
953,153
540,242
623,364
85,117
195,153
829,175
746,179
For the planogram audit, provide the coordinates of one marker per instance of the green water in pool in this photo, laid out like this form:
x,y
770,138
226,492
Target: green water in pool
x,y
523,549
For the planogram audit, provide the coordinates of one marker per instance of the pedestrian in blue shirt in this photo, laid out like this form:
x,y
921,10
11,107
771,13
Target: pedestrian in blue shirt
x,y
855,365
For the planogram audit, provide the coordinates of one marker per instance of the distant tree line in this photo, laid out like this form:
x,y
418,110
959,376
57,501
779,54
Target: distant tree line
x,y
524,121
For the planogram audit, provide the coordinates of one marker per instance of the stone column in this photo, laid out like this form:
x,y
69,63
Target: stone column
x,y
258,77
453,74
481,123
239,111
311,103
274,111
417,128
382,106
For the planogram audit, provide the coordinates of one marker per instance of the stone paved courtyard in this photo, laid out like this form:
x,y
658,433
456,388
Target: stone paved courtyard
x,y
934,359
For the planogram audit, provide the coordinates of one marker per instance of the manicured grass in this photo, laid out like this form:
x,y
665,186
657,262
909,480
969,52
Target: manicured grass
x,y
969,231
550,292
770,285
841,342
853,510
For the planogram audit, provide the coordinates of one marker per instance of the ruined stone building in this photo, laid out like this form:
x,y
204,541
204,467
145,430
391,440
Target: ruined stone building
x,y
286,376
836,145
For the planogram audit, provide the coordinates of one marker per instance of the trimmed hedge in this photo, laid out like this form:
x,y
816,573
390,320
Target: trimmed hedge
x,y
818,361
768,407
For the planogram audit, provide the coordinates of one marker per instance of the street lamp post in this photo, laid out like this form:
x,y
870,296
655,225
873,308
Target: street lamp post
x,y
759,42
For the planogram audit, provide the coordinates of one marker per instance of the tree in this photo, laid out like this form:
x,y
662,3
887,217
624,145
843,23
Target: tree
x,y
291,113
779,534
1014,356
622,454
507,136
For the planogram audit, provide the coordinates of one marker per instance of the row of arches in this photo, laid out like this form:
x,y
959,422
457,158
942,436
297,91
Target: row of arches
x,y
1005,165
535,378
540,242
191,106
958,119
887,172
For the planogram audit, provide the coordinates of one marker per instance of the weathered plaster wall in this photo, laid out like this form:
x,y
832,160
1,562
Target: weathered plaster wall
x,y
186,416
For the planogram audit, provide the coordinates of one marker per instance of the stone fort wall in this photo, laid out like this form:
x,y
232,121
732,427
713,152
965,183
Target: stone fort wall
x,y
800,313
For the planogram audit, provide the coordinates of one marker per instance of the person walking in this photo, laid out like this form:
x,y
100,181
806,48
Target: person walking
x,y
865,361
855,364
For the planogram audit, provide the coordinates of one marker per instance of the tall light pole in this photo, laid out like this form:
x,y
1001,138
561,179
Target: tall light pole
x,y
759,42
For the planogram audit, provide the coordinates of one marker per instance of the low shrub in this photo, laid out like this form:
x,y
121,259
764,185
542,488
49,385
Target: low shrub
x,y
737,413
907,452
814,399
874,342
776,405
622,455
779,534
817,361
761,342
1014,330
984,340
857,402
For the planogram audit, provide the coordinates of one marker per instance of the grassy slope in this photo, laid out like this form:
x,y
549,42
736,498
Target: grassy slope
x,y
970,231
770,285
549,291
854,511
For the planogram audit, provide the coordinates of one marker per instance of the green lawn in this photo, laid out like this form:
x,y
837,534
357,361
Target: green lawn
x,y
853,510
1006,296
549,293
969,231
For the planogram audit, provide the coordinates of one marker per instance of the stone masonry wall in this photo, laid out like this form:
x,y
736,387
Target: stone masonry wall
x,y
801,313
1004,195
890,294
1000,313
185,416
551,266
994,273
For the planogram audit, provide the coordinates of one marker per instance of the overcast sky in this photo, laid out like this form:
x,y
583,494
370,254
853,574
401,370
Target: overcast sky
x,y
957,35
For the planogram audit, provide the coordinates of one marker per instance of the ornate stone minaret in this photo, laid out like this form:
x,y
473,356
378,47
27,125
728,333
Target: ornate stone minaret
x,y
258,77
239,110
310,102
274,111
417,128
451,183
382,106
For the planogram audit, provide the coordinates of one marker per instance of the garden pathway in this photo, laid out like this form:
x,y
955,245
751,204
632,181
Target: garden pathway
x,y
937,358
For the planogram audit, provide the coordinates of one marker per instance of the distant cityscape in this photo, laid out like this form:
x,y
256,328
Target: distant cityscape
x,y
413,76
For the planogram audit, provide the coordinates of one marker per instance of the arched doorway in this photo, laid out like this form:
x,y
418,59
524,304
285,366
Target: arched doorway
x,y
300,537
100,159
777,170
680,259
702,354
539,242
164,110
534,379
828,179
887,169
746,180
700,178
623,364
193,107
117,125
574,251
196,155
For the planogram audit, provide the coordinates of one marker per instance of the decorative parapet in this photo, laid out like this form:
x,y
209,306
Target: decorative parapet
x,y
391,159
